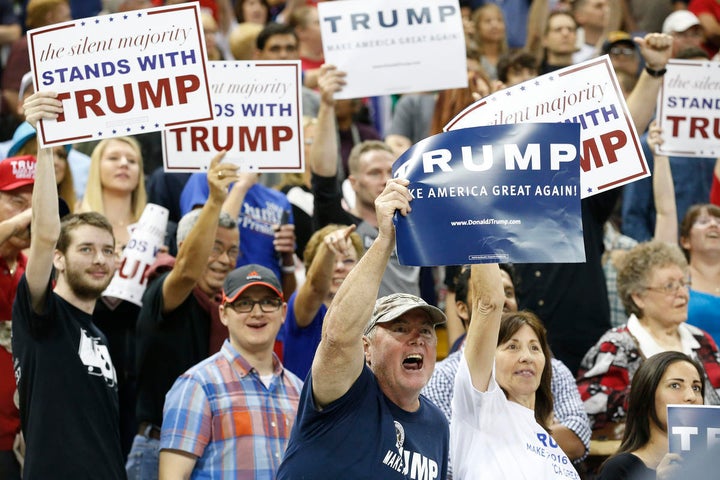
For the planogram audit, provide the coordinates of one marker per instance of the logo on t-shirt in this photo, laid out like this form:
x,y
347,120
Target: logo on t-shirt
x,y
96,357
407,462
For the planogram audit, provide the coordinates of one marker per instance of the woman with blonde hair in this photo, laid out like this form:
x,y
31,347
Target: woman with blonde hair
x,y
116,184
490,37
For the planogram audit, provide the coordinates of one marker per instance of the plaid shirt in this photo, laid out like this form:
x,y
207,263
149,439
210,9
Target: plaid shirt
x,y
221,412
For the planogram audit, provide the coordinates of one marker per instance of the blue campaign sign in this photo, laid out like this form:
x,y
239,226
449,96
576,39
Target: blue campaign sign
x,y
501,193
693,428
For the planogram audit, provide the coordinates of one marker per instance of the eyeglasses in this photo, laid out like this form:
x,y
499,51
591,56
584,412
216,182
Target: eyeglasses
x,y
232,252
624,51
670,288
706,220
245,305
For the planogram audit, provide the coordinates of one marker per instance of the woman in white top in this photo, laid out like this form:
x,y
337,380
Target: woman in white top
x,y
502,407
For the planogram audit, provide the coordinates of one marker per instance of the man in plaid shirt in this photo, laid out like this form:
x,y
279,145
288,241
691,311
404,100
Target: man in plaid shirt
x,y
230,416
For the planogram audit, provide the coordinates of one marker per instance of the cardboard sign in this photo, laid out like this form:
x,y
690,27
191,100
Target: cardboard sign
x,y
401,46
122,74
258,120
694,432
129,281
504,193
588,94
689,109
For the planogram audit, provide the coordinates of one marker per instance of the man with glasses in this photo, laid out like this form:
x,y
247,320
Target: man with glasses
x,y
230,416
624,54
179,322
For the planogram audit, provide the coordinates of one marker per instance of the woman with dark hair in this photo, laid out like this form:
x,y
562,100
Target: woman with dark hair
x,y
664,379
253,11
503,404
700,240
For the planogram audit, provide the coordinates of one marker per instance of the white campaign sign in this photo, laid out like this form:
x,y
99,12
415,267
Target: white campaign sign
x,y
129,281
122,74
689,109
401,46
258,120
586,93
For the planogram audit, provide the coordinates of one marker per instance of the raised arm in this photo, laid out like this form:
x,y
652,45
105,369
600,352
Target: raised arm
x,y
15,225
339,358
194,251
314,291
666,225
324,149
656,49
233,203
45,224
487,298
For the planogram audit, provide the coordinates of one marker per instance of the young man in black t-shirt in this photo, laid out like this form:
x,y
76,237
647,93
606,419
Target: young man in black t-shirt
x,y
66,380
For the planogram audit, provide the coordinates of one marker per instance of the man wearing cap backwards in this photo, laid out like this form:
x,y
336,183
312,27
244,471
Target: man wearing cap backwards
x,y
361,414
66,381
17,176
243,389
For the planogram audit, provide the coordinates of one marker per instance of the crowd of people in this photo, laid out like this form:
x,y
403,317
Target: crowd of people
x,y
280,337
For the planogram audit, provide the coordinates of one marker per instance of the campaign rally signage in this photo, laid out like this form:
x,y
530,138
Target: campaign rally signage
x,y
693,428
504,193
394,47
130,281
258,120
588,94
689,109
122,74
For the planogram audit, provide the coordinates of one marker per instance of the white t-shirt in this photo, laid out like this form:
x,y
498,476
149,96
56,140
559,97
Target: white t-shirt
x,y
494,438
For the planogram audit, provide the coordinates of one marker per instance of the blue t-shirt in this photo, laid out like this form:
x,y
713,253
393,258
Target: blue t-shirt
x,y
703,311
363,435
299,344
261,212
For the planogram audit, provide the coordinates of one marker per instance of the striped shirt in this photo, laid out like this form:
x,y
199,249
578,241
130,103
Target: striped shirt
x,y
221,412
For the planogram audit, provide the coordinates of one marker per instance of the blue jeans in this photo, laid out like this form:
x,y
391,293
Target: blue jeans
x,y
142,462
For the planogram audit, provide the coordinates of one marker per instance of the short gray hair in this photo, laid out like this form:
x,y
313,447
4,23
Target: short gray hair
x,y
188,221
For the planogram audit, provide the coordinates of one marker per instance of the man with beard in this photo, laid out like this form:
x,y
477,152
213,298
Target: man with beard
x,y
66,380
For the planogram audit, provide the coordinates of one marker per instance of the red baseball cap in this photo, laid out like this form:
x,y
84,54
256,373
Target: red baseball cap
x,y
16,172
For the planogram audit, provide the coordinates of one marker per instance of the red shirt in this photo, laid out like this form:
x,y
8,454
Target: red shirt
x,y
9,414
712,7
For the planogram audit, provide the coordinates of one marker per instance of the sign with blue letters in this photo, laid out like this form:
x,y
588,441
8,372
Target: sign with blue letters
x,y
687,109
503,193
258,120
122,74
392,47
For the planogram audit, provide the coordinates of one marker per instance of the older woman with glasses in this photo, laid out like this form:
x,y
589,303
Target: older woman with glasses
x,y
654,287
699,238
